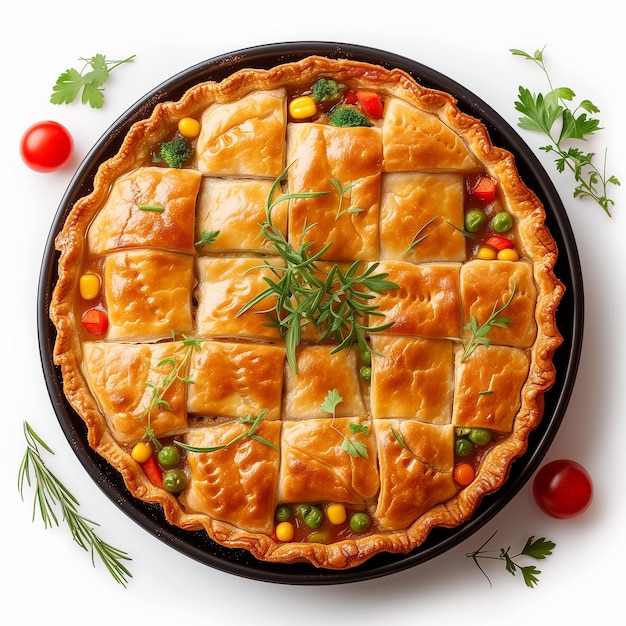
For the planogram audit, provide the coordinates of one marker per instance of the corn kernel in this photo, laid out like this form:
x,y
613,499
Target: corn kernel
x,y
189,127
89,286
508,254
486,253
285,531
336,513
302,107
141,451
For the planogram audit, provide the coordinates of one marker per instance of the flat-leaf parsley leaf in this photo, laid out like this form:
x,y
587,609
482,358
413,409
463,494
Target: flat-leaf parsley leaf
x,y
90,80
550,114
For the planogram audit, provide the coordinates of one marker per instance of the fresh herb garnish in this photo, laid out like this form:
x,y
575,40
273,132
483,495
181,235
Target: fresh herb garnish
x,y
342,191
418,237
536,549
89,80
159,391
352,447
479,333
51,493
251,433
334,301
400,439
207,237
150,207
541,112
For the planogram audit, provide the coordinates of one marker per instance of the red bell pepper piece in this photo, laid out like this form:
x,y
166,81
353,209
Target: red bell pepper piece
x,y
485,189
350,98
371,104
499,242
152,470
95,321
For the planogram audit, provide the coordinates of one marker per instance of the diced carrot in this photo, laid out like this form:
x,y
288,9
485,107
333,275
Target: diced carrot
x,y
95,321
499,242
463,474
485,189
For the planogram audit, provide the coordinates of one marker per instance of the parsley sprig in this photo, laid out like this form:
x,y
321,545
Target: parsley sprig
x,y
336,302
351,446
550,114
50,494
90,80
537,549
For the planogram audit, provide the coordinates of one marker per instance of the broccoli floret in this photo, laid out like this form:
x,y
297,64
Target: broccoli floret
x,y
176,152
326,89
347,115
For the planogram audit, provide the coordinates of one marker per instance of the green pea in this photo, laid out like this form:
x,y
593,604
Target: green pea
x,y
501,222
283,513
174,480
312,516
480,436
474,221
463,447
360,522
168,457
366,373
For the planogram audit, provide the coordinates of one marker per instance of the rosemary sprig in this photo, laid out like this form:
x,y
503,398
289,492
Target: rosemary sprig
x,y
342,190
541,112
537,549
334,301
479,333
251,433
352,447
418,237
51,493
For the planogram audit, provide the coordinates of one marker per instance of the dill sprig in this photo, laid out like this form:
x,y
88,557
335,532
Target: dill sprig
x,y
333,301
50,494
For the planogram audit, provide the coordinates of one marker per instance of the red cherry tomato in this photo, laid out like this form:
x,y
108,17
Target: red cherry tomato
x,y
46,146
563,489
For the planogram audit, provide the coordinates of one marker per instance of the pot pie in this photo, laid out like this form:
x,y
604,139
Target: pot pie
x,y
309,310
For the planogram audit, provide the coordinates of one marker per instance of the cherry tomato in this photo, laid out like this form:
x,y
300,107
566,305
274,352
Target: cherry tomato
x,y
46,146
563,489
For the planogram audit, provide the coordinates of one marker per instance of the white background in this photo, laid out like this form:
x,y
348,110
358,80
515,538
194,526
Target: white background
x,y
46,574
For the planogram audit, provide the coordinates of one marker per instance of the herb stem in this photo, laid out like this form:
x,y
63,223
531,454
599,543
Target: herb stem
x,y
51,493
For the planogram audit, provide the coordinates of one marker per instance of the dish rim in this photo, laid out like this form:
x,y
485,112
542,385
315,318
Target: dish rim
x,y
196,544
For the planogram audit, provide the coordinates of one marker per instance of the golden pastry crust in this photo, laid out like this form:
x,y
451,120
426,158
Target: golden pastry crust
x,y
488,386
245,137
117,375
421,148
147,293
150,206
315,468
236,379
416,216
319,154
426,304
234,208
237,484
412,378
